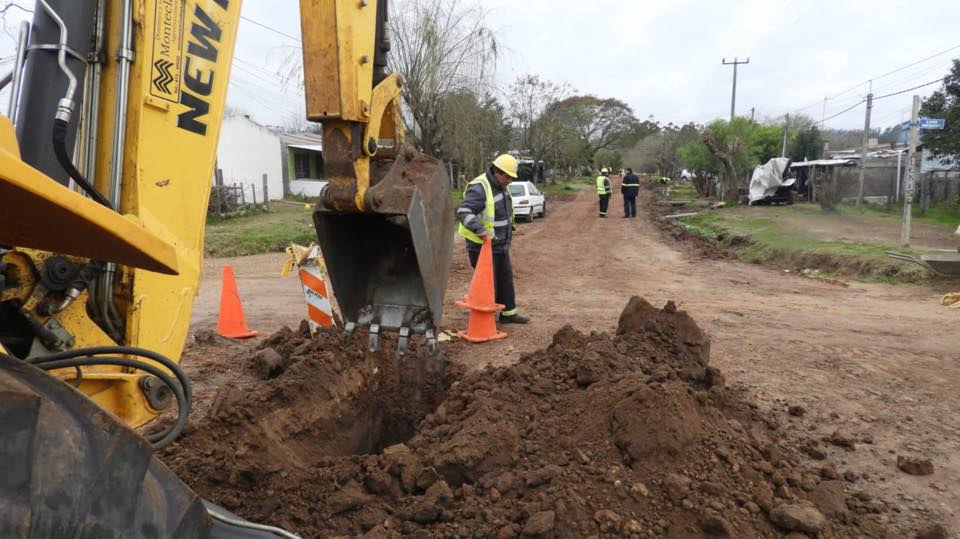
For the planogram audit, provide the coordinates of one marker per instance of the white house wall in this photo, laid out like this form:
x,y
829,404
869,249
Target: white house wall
x,y
247,151
310,188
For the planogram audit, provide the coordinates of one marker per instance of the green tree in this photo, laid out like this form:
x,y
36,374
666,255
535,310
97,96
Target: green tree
x,y
599,124
660,152
763,143
945,103
608,158
475,130
695,157
727,141
441,47
534,130
731,149
807,145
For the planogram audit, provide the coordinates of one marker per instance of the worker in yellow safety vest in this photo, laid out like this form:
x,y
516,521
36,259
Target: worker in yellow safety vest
x,y
604,190
487,212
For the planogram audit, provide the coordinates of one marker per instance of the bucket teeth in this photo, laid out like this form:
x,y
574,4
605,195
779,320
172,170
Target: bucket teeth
x,y
373,343
432,345
403,343
349,328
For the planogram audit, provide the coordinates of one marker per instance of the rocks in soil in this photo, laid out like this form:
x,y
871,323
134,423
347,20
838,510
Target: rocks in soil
x,y
608,521
842,439
351,496
539,524
796,410
268,363
914,465
829,497
797,517
716,526
936,531
632,433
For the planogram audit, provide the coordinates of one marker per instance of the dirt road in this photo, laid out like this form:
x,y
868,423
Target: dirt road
x,y
875,364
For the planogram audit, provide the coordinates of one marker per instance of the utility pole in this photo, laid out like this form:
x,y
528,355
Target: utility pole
x,y
911,172
753,112
786,127
733,98
863,153
823,113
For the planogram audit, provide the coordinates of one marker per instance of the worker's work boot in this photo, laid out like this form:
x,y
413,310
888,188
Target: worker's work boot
x,y
514,319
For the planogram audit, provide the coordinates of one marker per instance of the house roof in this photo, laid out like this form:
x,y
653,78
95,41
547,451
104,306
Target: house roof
x,y
305,141
823,163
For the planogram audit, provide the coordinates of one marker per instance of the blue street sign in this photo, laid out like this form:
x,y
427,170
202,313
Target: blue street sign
x,y
932,123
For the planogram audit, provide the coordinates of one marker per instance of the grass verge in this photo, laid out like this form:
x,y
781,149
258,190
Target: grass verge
x,y
260,232
685,191
943,213
764,240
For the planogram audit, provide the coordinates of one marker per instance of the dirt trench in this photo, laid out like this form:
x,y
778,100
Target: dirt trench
x,y
630,433
874,363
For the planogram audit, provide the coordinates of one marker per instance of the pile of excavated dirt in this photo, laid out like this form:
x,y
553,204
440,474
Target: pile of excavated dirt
x,y
631,434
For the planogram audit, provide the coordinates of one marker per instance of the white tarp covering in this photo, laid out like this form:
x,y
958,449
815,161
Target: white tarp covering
x,y
823,163
766,178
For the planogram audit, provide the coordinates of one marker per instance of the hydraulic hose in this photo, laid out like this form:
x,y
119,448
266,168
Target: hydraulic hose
x,y
65,107
65,113
159,440
60,149
181,388
85,278
128,350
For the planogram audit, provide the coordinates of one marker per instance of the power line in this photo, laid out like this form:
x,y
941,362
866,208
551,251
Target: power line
x,y
274,30
754,29
912,77
941,79
862,101
917,62
783,29
897,70
844,111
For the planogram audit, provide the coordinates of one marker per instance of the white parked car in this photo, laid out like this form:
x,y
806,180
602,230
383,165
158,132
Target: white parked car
x,y
528,201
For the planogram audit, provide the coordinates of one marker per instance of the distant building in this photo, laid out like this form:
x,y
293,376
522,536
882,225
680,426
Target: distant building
x,y
246,152
885,173
303,166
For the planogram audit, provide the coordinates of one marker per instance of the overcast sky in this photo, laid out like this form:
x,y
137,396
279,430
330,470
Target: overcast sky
x,y
664,57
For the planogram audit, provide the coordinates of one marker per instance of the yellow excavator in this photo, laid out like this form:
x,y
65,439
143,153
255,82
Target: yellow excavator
x,y
106,159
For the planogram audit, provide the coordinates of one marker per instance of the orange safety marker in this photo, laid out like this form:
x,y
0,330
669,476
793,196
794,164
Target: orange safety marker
x,y
232,322
482,325
319,310
313,278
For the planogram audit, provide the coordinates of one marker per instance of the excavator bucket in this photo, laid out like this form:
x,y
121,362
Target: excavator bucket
x,y
389,263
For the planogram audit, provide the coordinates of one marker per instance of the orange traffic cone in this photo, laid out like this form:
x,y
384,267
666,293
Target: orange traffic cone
x,y
480,300
232,323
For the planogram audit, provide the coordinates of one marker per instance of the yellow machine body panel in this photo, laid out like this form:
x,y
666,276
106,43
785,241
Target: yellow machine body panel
x,y
42,214
172,135
176,99
338,40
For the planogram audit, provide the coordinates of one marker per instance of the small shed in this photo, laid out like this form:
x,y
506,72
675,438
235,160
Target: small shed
x,y
302,155
817,178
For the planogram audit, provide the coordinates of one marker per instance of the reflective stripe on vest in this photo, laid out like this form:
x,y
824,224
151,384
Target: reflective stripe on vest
x,y
631,185
601,188
488,215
